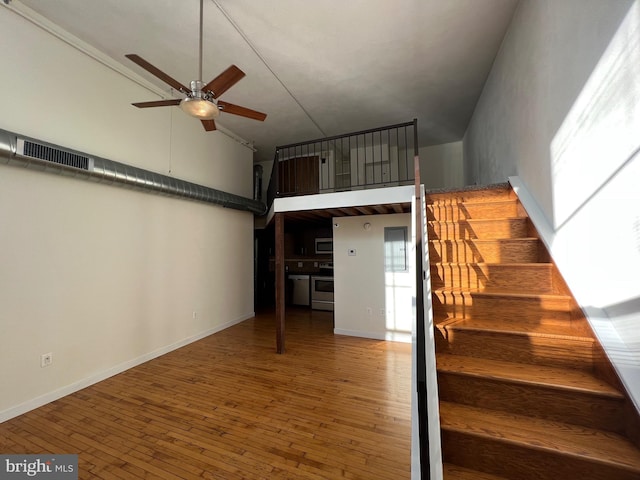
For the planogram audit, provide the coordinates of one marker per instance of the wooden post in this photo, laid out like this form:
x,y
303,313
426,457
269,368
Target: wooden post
x,y
280,283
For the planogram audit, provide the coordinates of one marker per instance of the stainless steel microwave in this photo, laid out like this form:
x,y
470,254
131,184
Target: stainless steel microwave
x,y
324,246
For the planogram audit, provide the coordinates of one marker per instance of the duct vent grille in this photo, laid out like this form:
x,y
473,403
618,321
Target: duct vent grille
x,y
54,155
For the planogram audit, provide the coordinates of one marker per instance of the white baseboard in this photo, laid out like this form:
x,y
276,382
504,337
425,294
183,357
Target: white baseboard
x,y
98,377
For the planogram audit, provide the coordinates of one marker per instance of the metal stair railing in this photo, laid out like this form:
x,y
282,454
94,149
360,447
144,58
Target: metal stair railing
x,y
374,158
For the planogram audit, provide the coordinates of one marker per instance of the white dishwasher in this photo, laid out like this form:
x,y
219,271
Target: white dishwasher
x,y
300,290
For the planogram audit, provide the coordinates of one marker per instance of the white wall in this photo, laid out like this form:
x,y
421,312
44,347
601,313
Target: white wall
x,y
101,276
561,110
442,166
368,301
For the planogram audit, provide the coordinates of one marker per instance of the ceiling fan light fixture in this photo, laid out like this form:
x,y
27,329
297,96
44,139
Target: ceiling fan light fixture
x,y
201,99
200,108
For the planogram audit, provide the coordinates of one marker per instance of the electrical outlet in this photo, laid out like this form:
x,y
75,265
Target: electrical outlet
x,y
369,311
382,312
351,252
46,359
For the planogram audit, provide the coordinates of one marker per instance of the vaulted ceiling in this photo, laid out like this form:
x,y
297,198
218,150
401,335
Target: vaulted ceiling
x,y
317,68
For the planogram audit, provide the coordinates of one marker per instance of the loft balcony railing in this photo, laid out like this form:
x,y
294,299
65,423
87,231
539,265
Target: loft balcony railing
x,y
375,158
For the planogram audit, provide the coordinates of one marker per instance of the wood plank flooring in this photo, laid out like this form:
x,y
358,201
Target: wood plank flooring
x,y
229,407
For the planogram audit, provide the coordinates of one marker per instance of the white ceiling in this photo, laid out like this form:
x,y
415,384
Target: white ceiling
x,y
317,68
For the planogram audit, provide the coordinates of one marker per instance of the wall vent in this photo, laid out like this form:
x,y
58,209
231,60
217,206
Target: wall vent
x,y
54,155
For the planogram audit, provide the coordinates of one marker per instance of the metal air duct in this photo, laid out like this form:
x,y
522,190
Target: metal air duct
x,y
30,153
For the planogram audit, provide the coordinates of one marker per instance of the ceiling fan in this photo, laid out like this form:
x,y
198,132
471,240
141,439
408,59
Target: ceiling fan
x,y
200,101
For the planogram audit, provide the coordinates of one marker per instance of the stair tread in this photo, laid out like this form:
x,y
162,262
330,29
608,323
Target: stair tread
x,y
579,442
490,201
501,292
455,472
499,190
498,264
554,377
463,240
472,201
542,330
478,220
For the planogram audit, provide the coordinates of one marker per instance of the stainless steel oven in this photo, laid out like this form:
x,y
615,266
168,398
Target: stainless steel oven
x,y
322,293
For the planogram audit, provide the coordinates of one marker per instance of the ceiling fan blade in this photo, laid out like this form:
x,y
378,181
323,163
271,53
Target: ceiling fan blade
x,y
157,72
158,103
242,111
224,81
209,125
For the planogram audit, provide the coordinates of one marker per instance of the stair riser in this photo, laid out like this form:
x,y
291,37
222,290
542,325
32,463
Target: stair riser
x,y
517,462
522,279
488,251
550,351
578,408
533,311
455,472
445,212
493,229
493,195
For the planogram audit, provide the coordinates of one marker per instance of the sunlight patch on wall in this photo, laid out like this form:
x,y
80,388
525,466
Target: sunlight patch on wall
x,y
398,283
600,133
399,305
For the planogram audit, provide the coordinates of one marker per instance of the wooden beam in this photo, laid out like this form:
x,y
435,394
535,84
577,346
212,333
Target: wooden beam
x,y
301,216
335,212
280,282
381,209
365,210
322,213
397,208
347,211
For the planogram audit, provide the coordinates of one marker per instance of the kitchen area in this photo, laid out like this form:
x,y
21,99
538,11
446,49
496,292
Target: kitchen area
x,y
308,251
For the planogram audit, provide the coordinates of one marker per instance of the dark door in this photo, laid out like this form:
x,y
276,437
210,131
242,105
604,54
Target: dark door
x,y
299,176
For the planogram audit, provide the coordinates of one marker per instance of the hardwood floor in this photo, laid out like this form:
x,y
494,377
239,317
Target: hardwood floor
x,y
229,407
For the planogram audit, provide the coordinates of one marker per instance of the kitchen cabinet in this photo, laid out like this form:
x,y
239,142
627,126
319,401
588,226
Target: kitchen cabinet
x,y
299,265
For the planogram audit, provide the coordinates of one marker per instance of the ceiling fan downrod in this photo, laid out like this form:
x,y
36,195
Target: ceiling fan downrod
x,y
196,104
200,42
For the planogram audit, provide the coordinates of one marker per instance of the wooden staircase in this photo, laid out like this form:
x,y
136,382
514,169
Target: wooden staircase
x,y
525,390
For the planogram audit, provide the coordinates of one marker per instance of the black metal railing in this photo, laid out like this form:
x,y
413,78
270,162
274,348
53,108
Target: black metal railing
x,y
375,158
